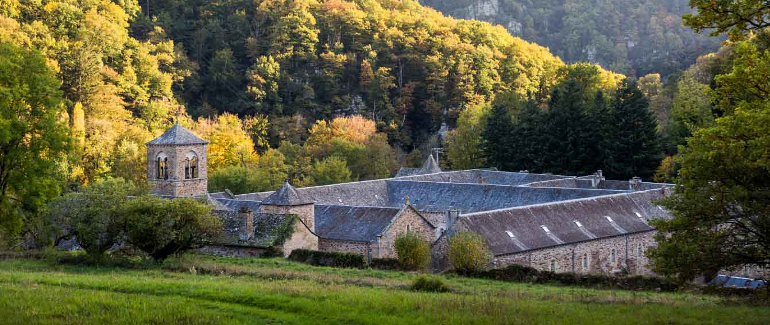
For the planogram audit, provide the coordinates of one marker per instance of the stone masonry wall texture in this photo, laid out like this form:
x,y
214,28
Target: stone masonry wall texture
x,y
408,218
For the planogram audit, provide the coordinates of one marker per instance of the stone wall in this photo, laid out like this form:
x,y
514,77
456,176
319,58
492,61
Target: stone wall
x,y
305,212
235,251
301,238
407,218
629,253
334,245
176,184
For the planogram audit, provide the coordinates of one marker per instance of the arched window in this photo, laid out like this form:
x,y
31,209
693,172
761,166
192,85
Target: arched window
x,y
191,166
162,166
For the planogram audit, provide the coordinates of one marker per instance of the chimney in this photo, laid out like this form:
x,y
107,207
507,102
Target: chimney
x,y
451,217
246,217
597,178
635,184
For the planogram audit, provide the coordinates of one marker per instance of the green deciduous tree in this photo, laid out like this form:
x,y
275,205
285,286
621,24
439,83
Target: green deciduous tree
x,y
721,205
464,143
735,18
161,227
332,170
32,135
96,216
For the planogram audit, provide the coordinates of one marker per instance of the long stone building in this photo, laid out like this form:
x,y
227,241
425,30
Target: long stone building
x,y
550,222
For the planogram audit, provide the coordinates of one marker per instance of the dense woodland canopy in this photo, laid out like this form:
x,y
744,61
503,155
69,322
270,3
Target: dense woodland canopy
x,y
633,37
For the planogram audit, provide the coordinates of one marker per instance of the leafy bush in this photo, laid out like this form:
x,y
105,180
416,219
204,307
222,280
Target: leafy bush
x,y
518,273
385,264
161,227
468,252
429,284
413,252
92,215
333,259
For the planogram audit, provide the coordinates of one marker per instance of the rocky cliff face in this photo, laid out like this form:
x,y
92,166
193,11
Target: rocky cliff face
x,y
635,37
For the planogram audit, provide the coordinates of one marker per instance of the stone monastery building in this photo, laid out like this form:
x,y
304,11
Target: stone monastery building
x,y
550,222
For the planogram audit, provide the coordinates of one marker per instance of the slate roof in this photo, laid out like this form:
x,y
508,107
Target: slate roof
x,y
177,134
479,176
353,223
364,193
468,198
430,166
628,213
287,195
266,226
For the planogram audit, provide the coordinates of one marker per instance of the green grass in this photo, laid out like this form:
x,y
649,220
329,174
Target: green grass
x,y
207,290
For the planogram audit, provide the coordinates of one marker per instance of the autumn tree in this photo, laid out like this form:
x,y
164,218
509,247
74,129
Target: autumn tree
x,y
33,136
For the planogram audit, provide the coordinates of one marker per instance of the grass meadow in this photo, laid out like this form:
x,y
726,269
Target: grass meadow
x,y
209,290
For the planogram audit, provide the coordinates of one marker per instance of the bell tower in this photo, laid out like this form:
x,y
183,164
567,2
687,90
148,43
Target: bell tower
x,y
176,163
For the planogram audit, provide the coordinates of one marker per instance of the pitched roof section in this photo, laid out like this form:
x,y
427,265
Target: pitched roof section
x,y
352,223
430,166
470,198
515,230
287,195
177,134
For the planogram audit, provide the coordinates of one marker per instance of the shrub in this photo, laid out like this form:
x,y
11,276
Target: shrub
x,y
413,252
518,273
385,264
92,215
429,284
468,252
333,259
161,227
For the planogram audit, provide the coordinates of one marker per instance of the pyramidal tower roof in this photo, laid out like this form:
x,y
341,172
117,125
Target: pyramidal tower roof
x,y
177,134
430,166
287,195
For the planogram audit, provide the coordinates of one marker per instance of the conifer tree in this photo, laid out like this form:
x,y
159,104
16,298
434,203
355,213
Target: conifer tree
x,y
597,135
564,136
496,137
636,148
527,138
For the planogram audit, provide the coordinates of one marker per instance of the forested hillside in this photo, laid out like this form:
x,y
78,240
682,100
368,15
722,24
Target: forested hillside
x,y
394,62
633,37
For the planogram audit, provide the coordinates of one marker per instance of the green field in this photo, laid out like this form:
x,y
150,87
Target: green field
x,y
206,290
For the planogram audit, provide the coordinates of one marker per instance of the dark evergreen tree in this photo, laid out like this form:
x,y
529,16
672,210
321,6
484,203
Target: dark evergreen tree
x,y
597,136
636,145
496,138
527,139
564,134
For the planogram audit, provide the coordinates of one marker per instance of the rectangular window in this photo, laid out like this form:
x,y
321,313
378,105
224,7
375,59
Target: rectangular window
x,y
510,234
545,229
613,256
580,225
639,251
553,266
585,261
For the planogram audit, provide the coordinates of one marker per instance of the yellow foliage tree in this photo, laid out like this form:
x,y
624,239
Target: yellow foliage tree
x,y
230,144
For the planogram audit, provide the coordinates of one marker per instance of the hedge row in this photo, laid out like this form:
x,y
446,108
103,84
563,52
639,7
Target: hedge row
x,y
386,264
518,273
333,259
